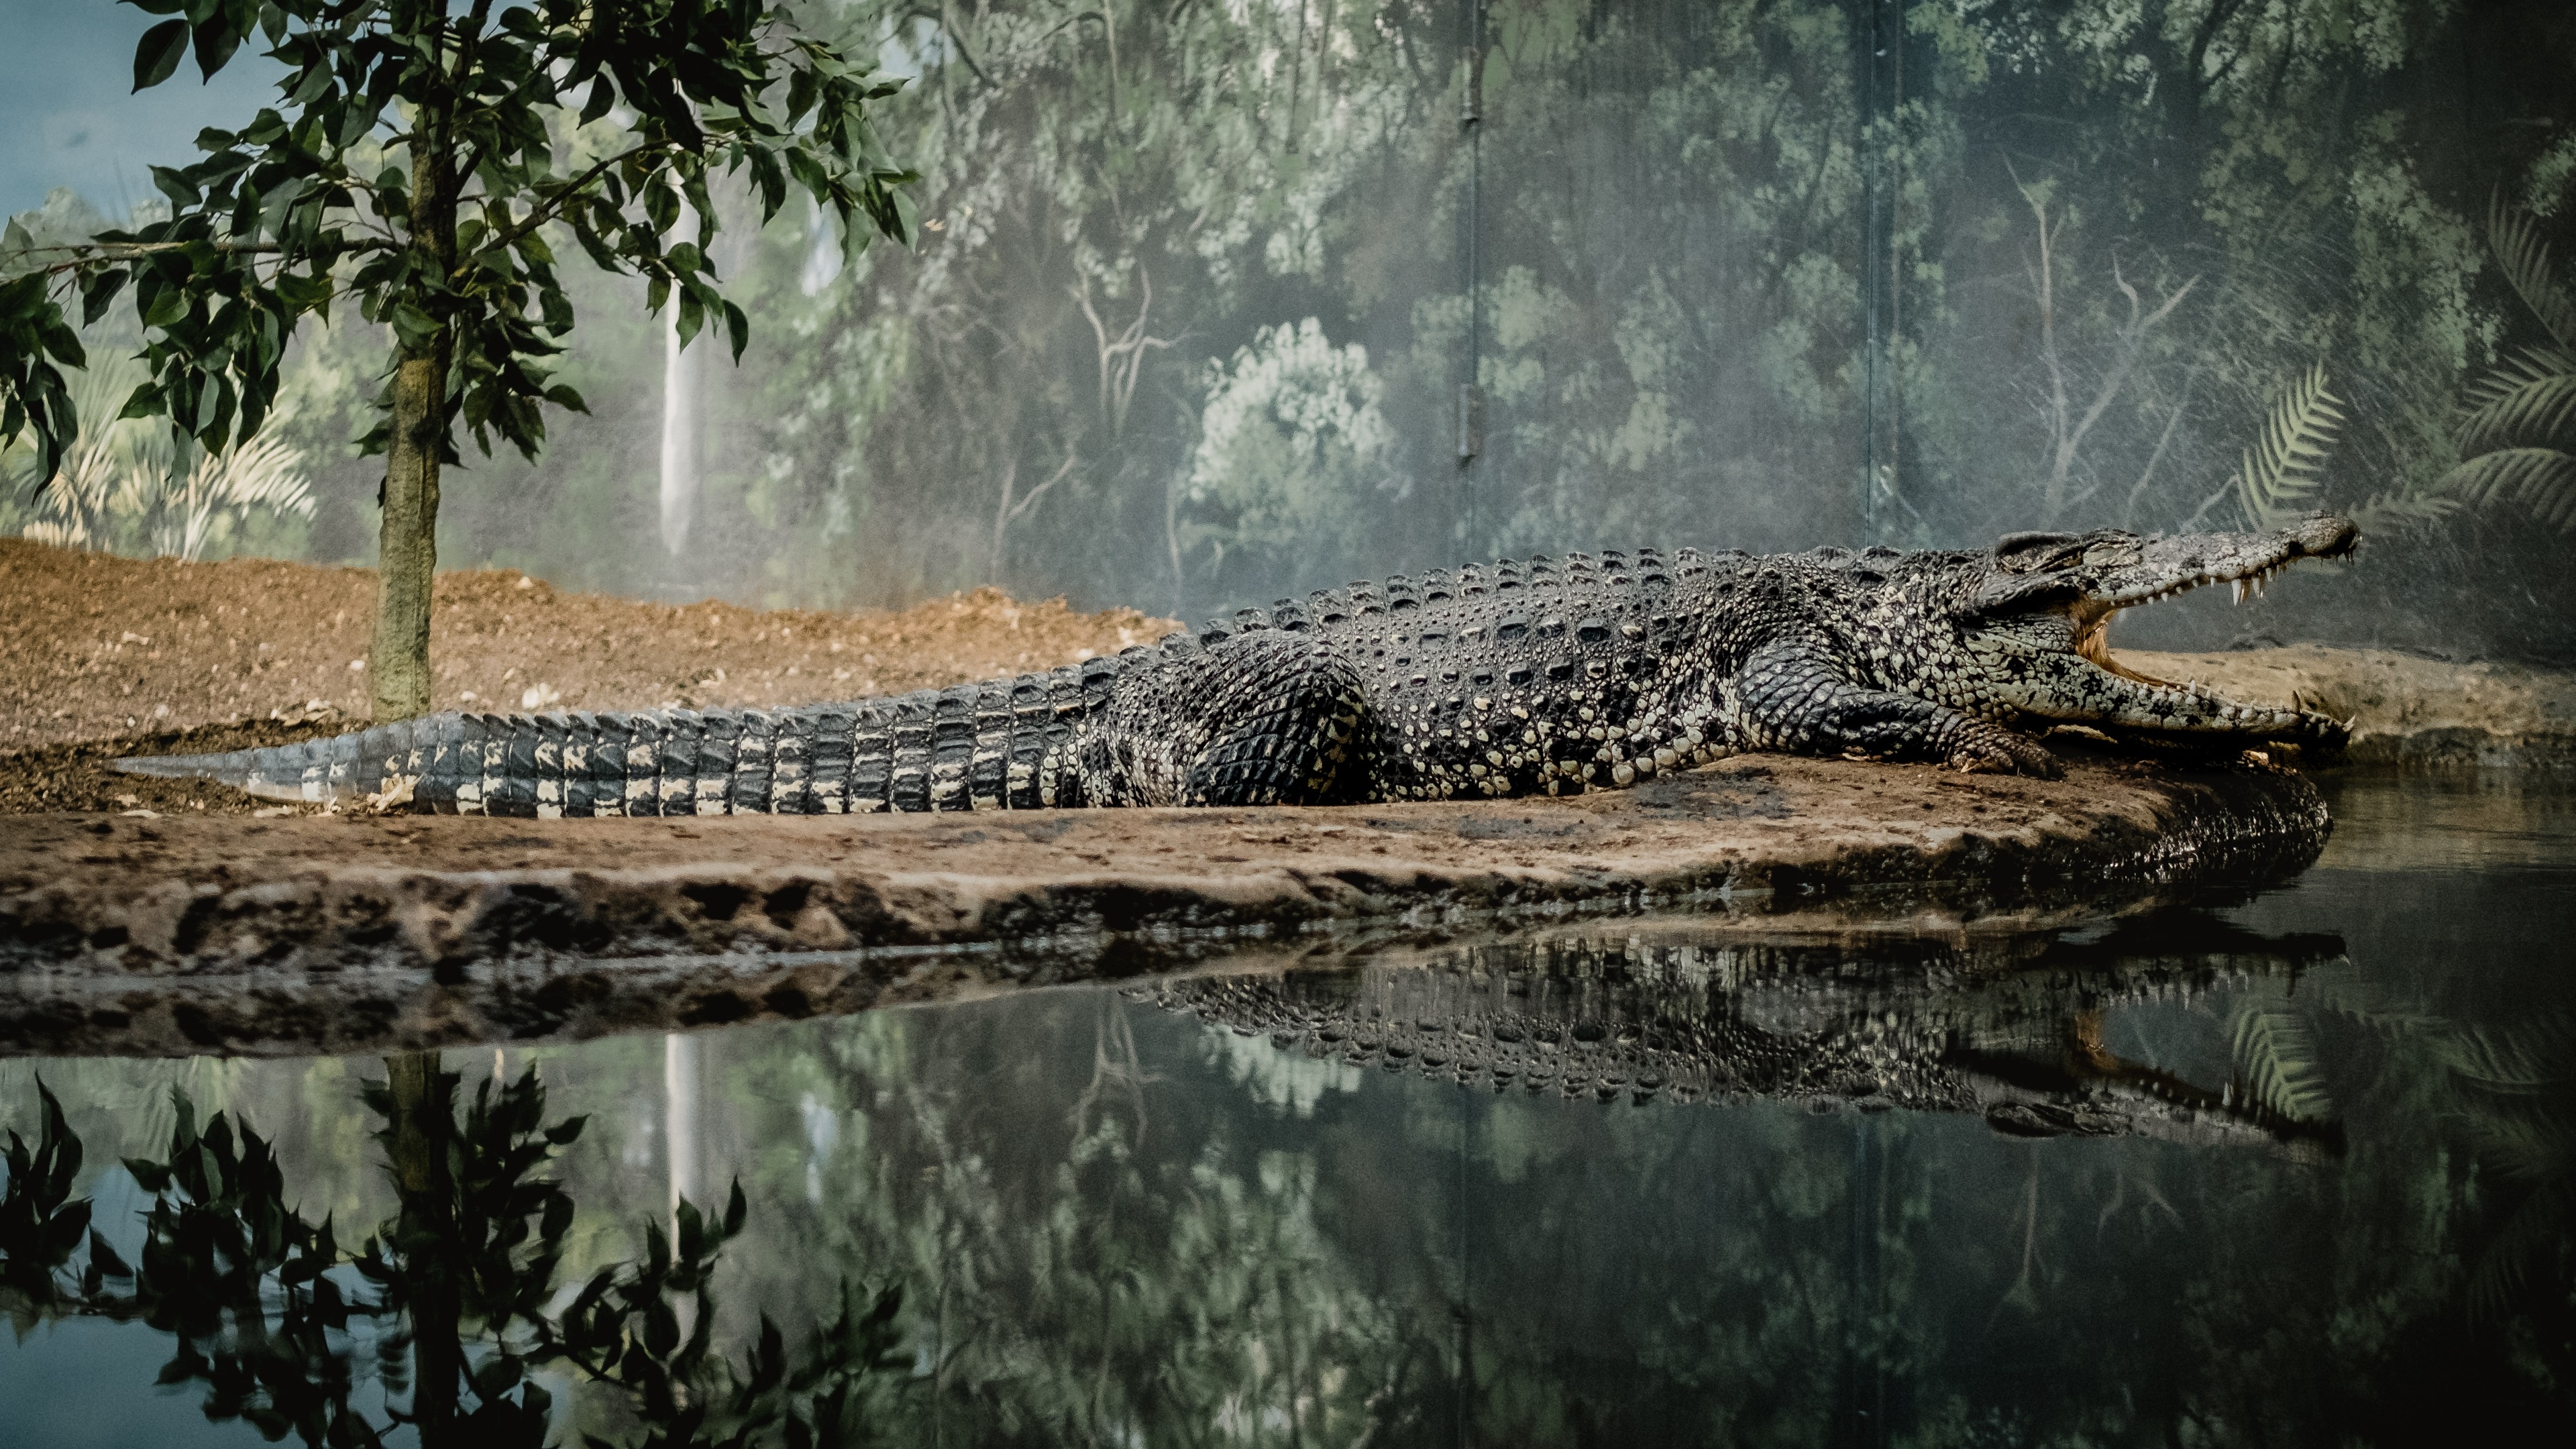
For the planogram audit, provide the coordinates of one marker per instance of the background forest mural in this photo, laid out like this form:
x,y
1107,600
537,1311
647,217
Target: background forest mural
x,y
1199,287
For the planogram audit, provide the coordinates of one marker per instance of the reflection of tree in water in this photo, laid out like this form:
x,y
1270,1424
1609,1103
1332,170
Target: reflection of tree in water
x,y
447,1308
1112,1225
1089,1258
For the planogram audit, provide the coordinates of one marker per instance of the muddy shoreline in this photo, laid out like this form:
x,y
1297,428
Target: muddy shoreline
x,y
188,934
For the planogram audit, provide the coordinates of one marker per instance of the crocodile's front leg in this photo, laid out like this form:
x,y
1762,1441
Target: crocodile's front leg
x,y
1796,699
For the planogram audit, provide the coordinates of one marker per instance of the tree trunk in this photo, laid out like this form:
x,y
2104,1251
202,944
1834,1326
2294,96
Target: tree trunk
x,y
407,556
422,1123
398,658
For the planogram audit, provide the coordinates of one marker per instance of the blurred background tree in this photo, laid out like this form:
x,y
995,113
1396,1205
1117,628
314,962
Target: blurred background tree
x,y
448,249
1687,216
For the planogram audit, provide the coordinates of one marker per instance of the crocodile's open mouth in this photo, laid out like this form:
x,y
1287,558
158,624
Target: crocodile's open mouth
x,y
2331,541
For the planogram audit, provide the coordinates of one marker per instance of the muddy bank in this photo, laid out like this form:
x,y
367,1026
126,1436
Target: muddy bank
x,y
2406,711
179,934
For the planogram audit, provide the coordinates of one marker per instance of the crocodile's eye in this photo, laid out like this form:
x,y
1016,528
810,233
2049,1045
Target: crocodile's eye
x,y
2031,553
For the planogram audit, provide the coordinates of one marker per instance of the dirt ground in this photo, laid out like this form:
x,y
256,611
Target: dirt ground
x,y
180,934
102,657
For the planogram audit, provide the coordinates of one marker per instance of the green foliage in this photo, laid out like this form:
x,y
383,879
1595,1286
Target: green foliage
x,y
125,483
453,1293
296,210
41,1223
2523,256
2274,1065
2522,1093
2518,430
1291,434
2282,473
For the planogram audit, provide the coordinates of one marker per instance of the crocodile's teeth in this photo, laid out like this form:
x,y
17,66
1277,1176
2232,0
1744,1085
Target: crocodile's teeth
x,y
2238,585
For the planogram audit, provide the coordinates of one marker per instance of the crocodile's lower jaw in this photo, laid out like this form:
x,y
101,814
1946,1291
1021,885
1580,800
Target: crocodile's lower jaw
x,y
2096,649
2094,640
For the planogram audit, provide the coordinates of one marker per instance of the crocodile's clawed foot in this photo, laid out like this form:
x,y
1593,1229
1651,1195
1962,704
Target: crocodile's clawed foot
x,y
1995,750
2324,731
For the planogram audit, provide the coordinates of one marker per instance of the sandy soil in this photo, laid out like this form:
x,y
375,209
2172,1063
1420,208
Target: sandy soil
x,y
186,933
103,656
2405,710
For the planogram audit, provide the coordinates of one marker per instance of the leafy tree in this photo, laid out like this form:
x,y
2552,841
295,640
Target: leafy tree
x,y
300,209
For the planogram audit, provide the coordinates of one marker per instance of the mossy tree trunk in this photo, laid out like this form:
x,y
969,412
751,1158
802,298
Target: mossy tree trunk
x,y
407,554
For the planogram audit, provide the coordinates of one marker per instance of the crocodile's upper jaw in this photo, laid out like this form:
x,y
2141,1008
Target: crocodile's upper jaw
x,y
2057,593
2167,567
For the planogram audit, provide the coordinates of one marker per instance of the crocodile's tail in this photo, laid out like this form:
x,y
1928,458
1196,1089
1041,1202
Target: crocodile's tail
x,y
1004,744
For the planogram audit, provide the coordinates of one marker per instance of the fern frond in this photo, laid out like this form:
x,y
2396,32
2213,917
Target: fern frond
x,y
2275,1061
2514,237
2280,473
2395,512
2541,479
2517,1062
2535,1232
2530,398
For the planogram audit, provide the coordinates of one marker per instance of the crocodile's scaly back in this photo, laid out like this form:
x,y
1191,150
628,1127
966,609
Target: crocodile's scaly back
x,y
1540,676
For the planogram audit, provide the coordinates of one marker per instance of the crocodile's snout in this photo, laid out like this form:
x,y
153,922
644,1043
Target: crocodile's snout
x,y
2325,535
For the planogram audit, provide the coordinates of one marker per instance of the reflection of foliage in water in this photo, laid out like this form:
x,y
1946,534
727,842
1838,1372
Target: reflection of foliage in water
x,y
452,1297
2519,1089
1081,1268
1113,1225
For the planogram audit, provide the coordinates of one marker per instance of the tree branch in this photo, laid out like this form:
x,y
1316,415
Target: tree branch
x,y
552,206
93,253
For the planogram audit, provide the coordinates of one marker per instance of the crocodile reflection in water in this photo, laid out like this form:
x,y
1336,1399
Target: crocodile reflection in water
x,y
2018,1043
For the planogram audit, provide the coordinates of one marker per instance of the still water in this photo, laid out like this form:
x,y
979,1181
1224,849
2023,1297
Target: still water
x,y
2293,1168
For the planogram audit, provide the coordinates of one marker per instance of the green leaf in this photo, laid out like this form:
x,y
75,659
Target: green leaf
x,y
216,40
2523,257
99,292
168,305
737,328
693,315
497,1376
152,1177
181,191
156,59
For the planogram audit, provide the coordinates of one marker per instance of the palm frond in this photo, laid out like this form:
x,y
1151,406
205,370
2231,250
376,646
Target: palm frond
x,y
2541,479
2536,1231
2398,512
2514,237
2528,399
2280,473
2274,1062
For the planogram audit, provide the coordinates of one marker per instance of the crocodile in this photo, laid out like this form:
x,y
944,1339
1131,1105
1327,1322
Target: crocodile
x,y
1540,676
2021,1045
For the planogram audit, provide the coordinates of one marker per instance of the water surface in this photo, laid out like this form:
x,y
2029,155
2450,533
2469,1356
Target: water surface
x,y
2321,1196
